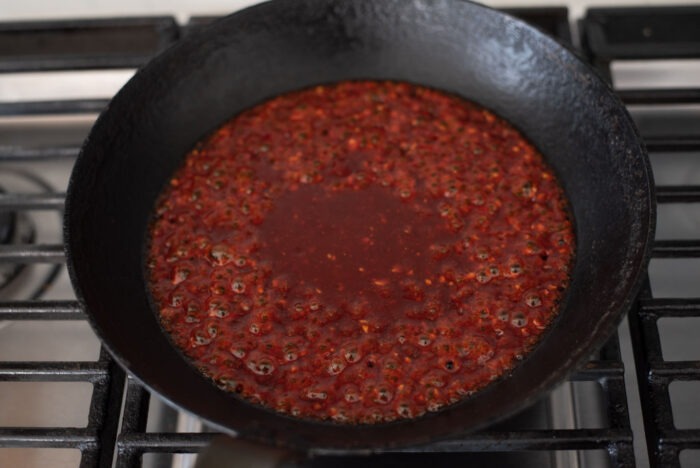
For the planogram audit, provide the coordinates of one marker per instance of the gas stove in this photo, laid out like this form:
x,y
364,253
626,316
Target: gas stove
x,y
64,402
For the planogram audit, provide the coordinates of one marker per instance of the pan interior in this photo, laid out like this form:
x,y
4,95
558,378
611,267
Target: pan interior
x,y
451,45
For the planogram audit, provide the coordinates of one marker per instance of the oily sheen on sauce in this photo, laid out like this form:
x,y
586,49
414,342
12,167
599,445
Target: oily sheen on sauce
x,y
362,251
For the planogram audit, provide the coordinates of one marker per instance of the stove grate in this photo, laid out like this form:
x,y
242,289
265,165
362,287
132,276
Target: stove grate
x,y
647,34
118,416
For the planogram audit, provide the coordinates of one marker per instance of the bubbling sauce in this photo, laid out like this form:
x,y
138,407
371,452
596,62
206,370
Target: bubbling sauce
x,y
362,252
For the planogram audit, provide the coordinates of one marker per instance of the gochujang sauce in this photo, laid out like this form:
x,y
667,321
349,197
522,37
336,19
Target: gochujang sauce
x,y
362,252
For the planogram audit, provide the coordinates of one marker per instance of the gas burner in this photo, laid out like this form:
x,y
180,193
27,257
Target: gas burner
x,y
7,224
15,228
20,281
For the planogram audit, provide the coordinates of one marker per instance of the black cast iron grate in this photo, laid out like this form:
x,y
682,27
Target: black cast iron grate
x,y
647,34
116,431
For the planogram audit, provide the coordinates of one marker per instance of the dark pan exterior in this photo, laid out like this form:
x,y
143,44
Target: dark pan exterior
x,y
562,106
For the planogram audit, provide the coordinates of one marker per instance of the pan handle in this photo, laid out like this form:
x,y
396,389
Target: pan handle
x,y
227,452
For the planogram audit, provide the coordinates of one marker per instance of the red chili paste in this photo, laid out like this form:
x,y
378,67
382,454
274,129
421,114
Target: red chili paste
x,y
362,252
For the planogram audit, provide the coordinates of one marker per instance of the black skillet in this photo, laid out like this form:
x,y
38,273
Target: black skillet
x,y
556,100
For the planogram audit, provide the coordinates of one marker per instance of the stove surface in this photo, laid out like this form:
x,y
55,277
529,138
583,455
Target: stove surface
x,y
63,401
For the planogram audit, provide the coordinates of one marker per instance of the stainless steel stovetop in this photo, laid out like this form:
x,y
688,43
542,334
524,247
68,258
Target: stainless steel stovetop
x,y
52,370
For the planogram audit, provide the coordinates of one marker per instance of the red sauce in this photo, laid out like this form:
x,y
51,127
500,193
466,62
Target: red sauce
x,y
362,252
